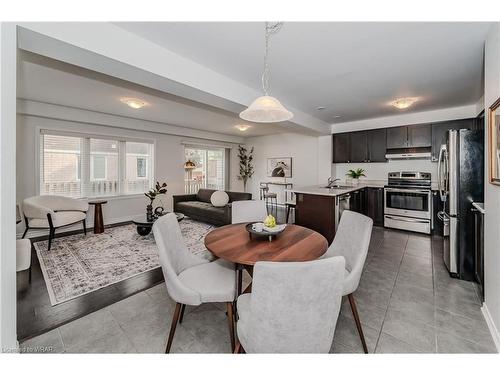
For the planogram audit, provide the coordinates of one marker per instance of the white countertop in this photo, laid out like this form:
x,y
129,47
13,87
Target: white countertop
x,y
322,190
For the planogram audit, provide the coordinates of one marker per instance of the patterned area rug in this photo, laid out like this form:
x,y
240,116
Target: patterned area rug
x,y
79,264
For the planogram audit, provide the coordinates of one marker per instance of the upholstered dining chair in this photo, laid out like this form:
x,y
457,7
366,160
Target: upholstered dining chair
x,y
293,307
352,241
192,280
52,212
246,211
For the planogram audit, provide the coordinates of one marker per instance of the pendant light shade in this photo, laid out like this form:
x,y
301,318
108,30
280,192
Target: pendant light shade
x,y
266,109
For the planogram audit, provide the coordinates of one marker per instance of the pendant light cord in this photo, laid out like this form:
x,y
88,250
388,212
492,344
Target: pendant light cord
x,y
271,29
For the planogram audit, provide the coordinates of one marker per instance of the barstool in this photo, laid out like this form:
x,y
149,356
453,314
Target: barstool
x,y
270,197
289,206
263,188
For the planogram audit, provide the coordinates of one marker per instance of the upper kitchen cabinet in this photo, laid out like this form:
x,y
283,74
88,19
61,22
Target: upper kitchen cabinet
x,y
409,136
397,137
377,145
341,148
439,130
359,147
419,135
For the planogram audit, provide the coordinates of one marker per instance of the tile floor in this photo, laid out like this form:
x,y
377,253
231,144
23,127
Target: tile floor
x,y
406,301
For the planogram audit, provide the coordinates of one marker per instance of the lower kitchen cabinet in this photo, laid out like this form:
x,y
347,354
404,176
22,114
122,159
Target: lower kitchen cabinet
x,y
375,205
358,201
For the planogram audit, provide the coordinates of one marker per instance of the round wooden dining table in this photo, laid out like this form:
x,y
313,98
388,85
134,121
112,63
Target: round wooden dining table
x,y
295,244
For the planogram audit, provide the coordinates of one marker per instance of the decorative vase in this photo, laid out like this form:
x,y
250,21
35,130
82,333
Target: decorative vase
x,y
355,182
149,212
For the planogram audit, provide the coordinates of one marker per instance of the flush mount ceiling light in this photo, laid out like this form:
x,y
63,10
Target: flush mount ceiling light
x,y
133,102
242,128
267,108
320,108
403,103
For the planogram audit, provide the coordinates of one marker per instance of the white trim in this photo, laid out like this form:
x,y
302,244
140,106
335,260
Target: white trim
x,y
204,145
491,326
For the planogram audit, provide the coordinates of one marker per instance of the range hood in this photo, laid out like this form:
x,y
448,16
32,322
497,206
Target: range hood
x,y
409,153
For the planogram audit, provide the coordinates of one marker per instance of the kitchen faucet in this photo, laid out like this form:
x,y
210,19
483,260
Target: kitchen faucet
x,y
332,181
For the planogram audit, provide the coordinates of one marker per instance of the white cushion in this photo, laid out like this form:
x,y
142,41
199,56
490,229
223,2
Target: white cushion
x,y
243,304
214,281
23,254
58,219
219,198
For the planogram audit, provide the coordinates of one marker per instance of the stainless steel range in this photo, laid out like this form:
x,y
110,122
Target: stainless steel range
x,y
408,201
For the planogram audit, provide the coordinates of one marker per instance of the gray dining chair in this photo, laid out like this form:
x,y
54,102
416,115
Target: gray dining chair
x,y
247,211
352,241
191,280
293,307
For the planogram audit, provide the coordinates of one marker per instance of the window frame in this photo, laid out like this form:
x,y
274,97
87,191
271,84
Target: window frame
x,y
42,130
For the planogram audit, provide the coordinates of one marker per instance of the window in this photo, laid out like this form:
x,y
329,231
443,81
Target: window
x,y
210,171
87,166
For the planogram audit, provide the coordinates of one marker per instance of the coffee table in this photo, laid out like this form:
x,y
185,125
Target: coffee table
x,y
144,226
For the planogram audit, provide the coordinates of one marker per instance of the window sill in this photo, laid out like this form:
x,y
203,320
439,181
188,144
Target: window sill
x,y
115,197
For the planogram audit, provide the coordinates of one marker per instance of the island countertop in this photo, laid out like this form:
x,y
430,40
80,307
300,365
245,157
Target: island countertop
x,y
323,190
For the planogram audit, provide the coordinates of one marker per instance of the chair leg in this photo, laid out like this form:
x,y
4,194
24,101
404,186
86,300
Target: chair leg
x,y
84,227
29,275
358,323
51,237
287,213
182,313
230,322
173,326
25,231
237,347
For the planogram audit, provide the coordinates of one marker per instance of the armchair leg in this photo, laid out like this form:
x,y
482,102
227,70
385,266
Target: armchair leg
x,y
182,313
173,326
358,322
237,348
25,231
230,321
29,276
51,237
84,227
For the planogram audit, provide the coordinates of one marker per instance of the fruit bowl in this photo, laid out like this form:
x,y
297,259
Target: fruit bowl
x,y
266,231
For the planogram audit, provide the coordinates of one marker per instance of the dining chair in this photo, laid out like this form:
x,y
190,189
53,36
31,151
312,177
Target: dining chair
x,y
352,241
248,211
293,307
192,280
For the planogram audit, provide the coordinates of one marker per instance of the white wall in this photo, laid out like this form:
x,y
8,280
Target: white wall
x,y
378,171
169,158
8,341
305,151
491,307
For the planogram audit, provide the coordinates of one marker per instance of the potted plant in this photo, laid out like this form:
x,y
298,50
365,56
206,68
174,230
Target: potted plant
x,y
246,165
355,174
158,189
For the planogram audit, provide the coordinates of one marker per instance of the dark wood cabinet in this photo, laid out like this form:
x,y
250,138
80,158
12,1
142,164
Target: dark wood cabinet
x,y
377,145
316,212
357,202
358,147
439,130
375,205
341,148
419,135
397,137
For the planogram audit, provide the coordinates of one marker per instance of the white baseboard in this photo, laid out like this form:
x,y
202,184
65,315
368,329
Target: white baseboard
x,y
45,232
491,325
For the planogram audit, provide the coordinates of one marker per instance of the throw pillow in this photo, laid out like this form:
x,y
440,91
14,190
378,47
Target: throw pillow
x,y
219,198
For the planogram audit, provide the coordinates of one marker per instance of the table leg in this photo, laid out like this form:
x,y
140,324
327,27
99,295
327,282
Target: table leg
x,y
98,220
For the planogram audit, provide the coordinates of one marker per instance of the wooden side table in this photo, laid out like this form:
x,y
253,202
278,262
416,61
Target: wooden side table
x,y
98,220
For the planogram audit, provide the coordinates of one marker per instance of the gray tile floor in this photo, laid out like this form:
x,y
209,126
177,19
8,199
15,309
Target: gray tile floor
x,y
406,301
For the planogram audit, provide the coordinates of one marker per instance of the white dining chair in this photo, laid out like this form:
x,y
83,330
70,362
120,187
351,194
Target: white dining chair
x,y
248,211
192,280
293,307
352,241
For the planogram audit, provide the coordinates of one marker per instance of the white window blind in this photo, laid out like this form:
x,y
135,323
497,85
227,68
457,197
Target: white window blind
x,y
91,166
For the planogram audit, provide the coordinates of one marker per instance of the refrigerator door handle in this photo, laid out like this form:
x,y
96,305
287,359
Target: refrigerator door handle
x,y
440,173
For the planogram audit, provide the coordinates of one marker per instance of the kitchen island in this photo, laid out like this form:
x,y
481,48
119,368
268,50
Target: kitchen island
x,y
319,208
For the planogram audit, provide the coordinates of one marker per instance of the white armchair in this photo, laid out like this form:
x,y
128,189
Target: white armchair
x,y
53,212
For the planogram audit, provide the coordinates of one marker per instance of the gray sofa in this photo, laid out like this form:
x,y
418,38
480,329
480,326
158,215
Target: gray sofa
x,y
198,206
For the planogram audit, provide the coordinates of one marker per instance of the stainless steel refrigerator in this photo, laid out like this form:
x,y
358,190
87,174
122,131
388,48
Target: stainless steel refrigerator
x,y
460,182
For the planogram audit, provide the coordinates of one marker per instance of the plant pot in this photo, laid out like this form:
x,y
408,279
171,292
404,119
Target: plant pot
x,y
149,212
355,182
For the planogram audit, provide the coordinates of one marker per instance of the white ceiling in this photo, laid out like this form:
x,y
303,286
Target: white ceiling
x,y
351,69
50,81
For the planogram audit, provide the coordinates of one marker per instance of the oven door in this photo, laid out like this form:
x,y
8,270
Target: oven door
x,y
408,202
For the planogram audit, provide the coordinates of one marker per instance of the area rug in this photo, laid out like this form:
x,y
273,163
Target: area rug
x,y
79,264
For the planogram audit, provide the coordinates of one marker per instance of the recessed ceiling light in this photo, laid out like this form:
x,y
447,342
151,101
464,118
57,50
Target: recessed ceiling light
x,y
403,103
337,116
133,102
320,108
242,127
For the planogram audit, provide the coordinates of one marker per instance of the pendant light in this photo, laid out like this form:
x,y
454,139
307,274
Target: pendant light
x,y
267,108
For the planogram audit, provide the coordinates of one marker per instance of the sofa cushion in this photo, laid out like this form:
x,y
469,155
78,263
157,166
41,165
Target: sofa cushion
x,y
219,198
204,195
195,208
58,219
